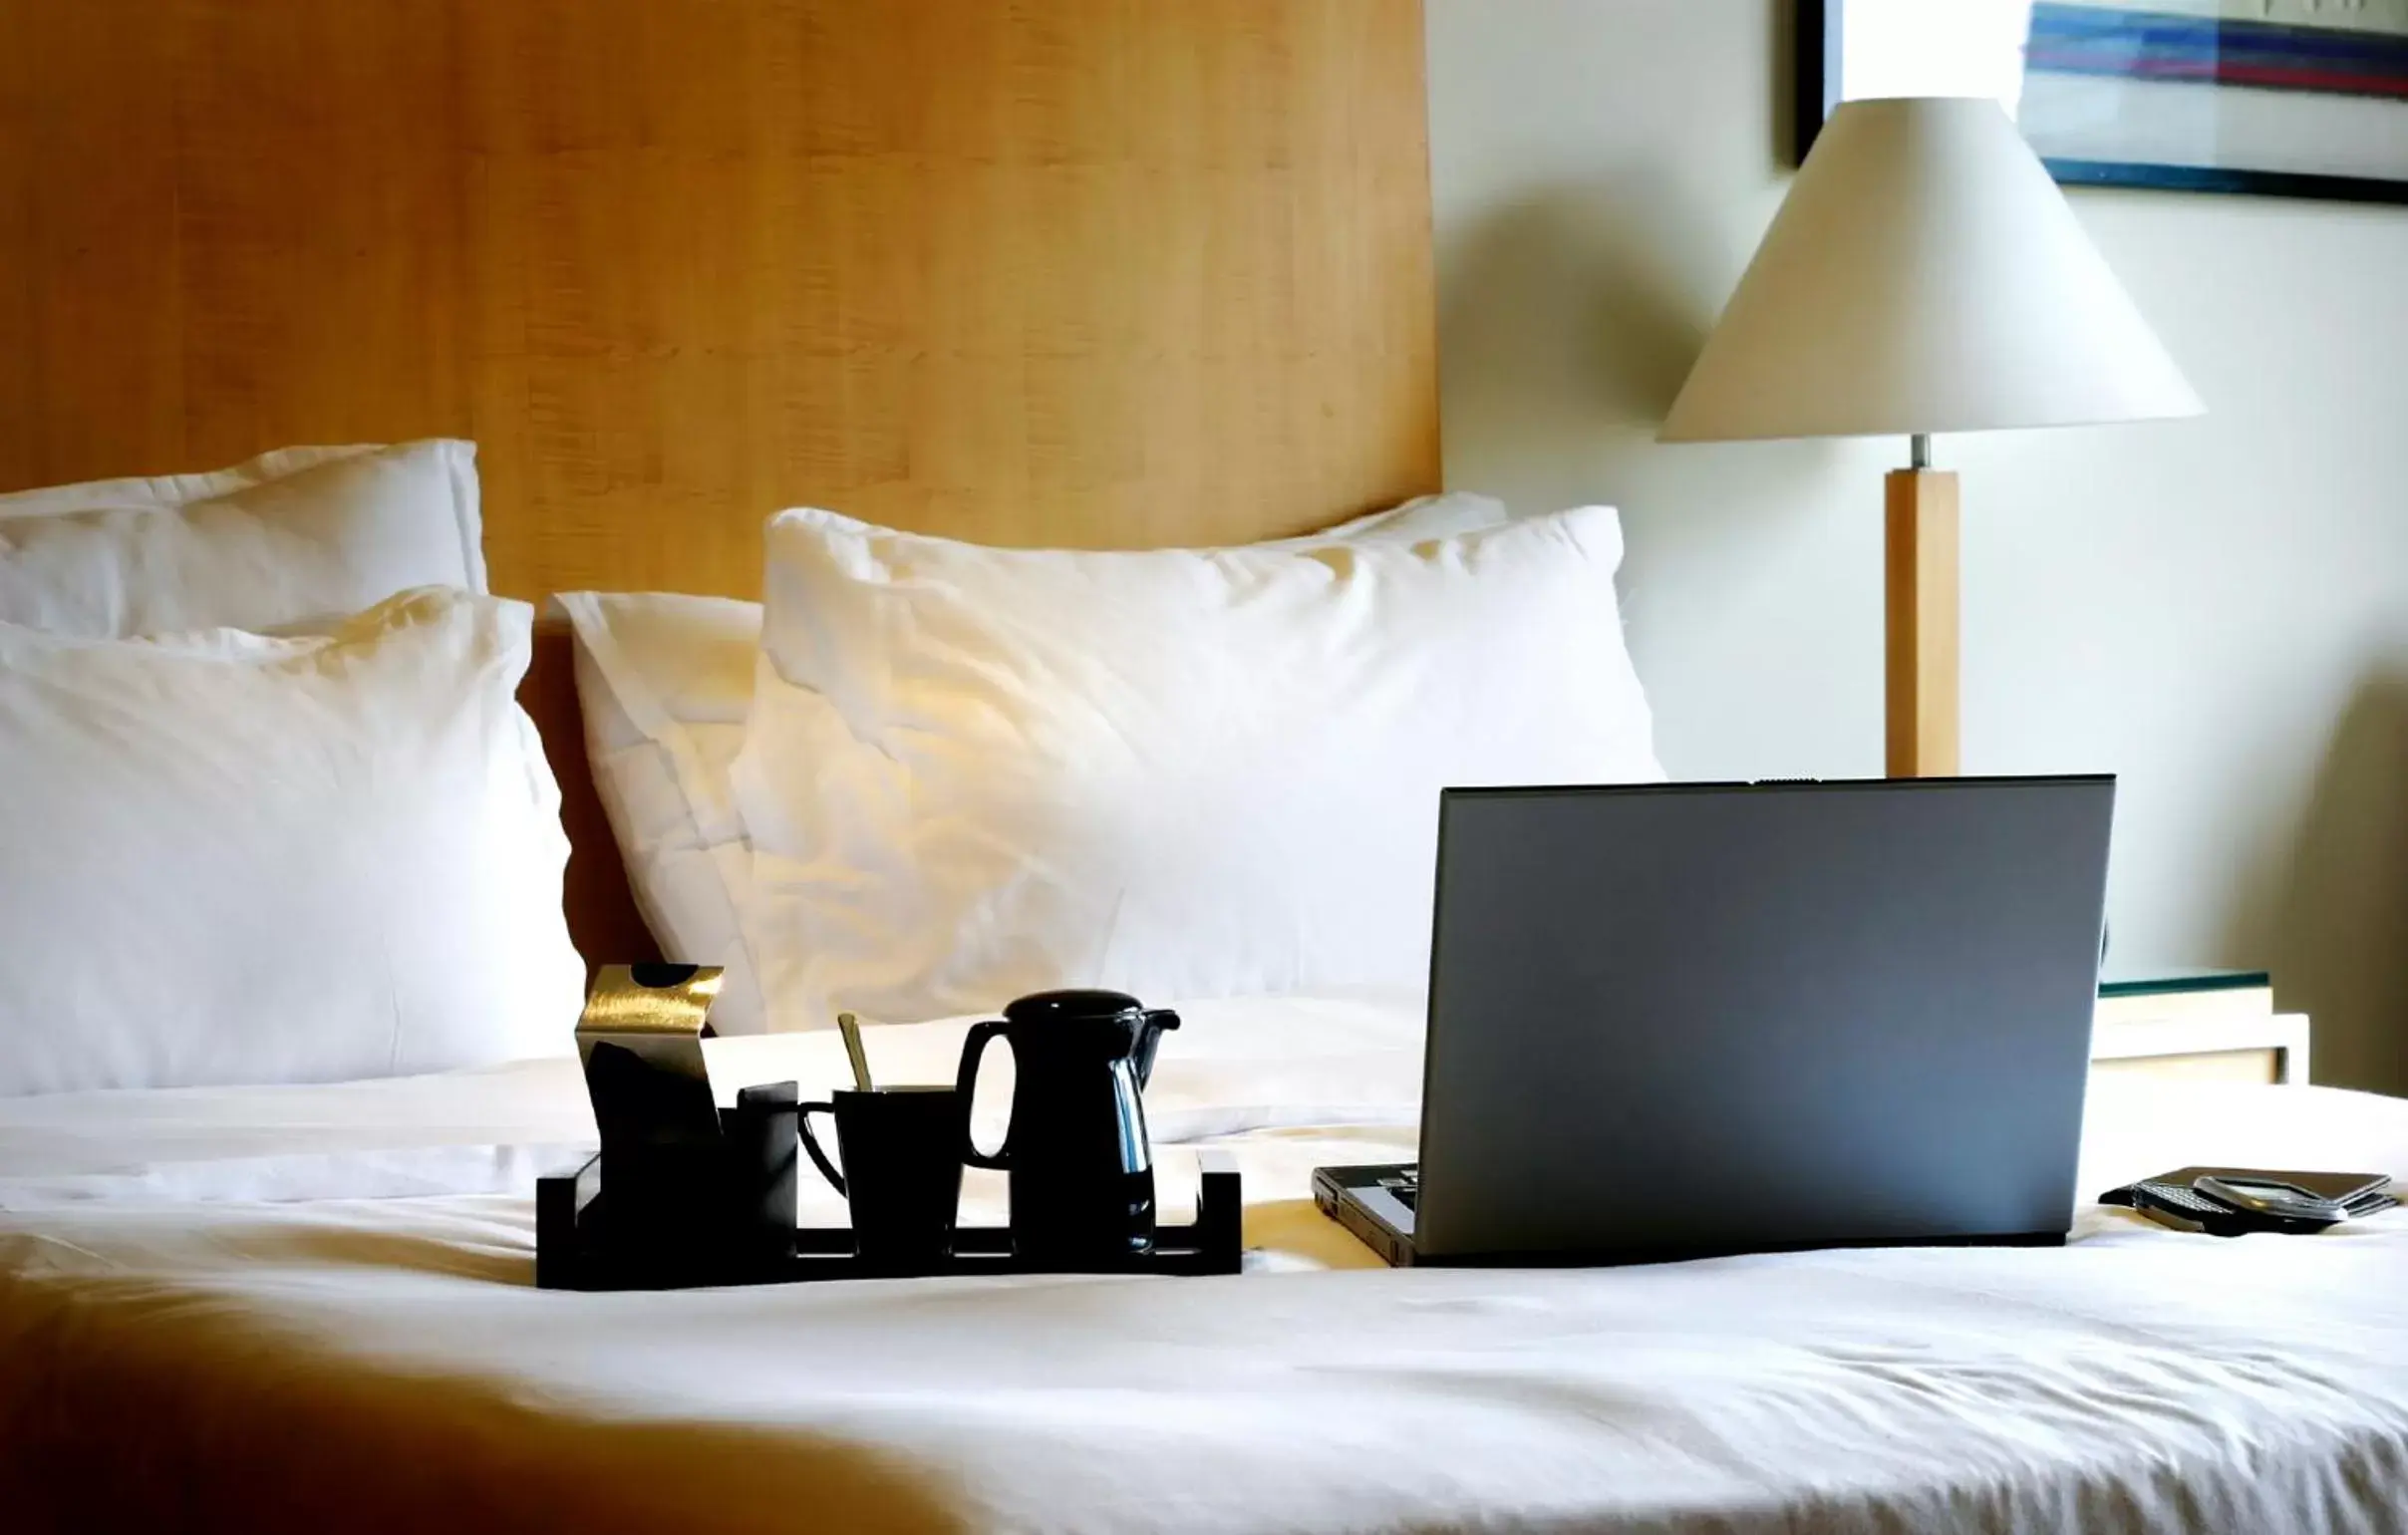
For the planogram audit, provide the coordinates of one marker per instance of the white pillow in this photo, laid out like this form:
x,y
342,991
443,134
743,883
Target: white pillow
x,y
665,682
236,859
973,773
1424,517
299,535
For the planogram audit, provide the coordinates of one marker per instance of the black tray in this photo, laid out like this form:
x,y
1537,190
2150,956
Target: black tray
x,y
573,1250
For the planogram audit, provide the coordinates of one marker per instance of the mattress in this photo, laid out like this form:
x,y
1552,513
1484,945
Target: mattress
x,y
312,1308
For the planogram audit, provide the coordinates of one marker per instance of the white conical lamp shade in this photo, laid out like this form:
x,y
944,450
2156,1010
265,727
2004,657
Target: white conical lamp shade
x,y
1924,275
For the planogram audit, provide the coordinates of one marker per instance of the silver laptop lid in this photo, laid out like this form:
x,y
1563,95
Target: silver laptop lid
x,y
1710,1017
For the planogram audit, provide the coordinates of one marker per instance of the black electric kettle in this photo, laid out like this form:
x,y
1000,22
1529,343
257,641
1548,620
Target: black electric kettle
x,y
1082,1172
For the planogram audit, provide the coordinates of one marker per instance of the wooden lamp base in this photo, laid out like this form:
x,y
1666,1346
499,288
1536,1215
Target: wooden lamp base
x,y
1922,628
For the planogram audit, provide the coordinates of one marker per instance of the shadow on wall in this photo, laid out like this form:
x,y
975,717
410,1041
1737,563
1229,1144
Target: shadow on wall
x,y
1568,318
1572,313
2333,925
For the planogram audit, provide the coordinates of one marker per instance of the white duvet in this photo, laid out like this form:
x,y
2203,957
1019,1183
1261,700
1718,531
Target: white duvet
x,y
311,1308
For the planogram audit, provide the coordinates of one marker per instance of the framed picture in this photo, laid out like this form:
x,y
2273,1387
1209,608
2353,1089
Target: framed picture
x,y
2294,98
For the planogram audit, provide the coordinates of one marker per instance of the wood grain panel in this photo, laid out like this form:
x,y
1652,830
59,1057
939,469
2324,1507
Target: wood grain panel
x,y
1089,272
1096,272
91,312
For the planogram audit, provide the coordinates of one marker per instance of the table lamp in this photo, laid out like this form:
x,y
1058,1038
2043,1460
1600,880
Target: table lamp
x,y
1923,276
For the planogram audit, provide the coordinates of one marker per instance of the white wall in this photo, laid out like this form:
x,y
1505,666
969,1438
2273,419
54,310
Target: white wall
x,y
2216,610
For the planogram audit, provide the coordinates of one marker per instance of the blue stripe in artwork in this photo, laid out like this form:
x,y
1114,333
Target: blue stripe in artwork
x,y
2088,39
2208,37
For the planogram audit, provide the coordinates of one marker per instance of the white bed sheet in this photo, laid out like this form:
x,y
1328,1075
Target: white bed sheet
x,y
310,1308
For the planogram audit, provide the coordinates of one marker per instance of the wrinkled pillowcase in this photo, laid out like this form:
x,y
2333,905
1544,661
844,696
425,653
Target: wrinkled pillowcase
x,y
236,859
665,684
302,536
974,773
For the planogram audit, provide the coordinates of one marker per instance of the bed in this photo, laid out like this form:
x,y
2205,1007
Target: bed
x,y
1083,274
307,1308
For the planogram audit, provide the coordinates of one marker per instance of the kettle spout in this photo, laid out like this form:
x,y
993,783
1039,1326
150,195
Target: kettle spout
x,y
1149,1035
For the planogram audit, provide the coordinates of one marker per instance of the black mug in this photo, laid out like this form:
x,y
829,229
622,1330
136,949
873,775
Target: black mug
x,y
902,1175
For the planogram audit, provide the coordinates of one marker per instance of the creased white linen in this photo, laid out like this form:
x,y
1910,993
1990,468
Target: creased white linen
x,y
300,535
974,773
382,1364
665,682
231,858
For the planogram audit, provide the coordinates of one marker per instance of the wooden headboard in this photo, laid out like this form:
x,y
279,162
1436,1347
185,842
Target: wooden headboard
x,y
1089,272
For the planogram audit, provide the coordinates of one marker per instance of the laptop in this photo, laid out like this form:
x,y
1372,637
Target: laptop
x,y
1679,1019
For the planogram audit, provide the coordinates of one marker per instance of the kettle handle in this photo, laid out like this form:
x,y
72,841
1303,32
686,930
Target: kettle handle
x,y
966,1083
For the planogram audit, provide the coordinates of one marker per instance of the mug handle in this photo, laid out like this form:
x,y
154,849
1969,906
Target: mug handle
x,y
965,1084
803,1121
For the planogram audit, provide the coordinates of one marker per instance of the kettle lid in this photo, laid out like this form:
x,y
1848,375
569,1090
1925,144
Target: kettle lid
x,y
1040,1006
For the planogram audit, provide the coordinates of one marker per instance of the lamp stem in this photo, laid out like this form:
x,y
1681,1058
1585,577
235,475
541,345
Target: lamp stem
x,y
1921,620
1919,451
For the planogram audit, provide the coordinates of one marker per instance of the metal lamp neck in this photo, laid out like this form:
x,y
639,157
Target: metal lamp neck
x,y
1919,451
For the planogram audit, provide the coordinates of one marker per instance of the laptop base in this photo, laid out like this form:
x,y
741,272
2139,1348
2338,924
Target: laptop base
x,y
1347,1195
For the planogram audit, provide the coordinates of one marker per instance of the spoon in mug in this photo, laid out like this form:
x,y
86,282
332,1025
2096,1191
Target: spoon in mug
x,y
851,1027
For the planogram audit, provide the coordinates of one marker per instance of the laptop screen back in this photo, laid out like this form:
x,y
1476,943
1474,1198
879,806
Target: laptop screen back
x,y
1701,1017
